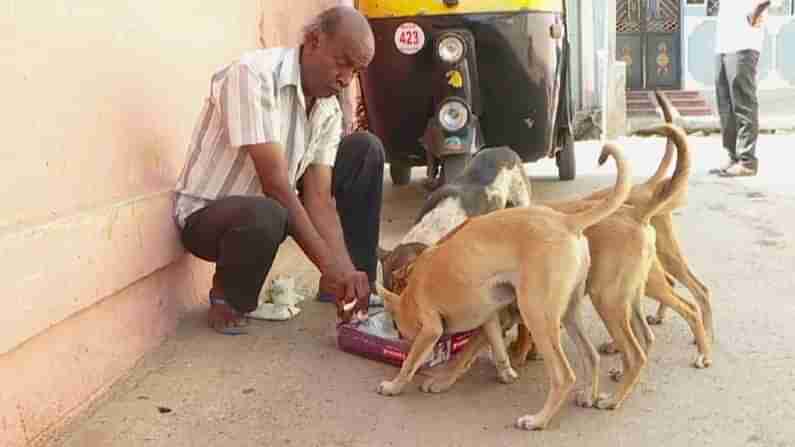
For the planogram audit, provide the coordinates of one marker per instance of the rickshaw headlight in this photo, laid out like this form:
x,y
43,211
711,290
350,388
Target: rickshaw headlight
x,y
453,116
451,49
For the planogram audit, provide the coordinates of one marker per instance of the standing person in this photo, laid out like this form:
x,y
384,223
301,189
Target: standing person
x,y
739,43
268,159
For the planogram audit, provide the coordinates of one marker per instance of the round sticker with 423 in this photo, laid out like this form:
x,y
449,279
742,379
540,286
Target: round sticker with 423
x,y
409,38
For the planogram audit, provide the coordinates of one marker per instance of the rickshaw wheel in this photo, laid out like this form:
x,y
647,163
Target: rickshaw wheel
x,y
565,159
454,165
400,173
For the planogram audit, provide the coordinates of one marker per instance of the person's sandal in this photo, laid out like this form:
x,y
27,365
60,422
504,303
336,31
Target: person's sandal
x,y
225,320
325,297
723,168
739,170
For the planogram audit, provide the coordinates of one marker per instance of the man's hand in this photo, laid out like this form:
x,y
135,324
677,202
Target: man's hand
x,y
349,287
759,15
341,278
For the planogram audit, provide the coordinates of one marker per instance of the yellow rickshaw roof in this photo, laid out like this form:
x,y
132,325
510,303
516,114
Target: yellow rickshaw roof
x,y
402,8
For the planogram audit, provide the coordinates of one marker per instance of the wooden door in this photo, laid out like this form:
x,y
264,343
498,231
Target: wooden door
x,y
648,39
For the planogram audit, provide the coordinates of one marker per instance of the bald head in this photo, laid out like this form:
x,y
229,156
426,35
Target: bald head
x,y
337,43
349,27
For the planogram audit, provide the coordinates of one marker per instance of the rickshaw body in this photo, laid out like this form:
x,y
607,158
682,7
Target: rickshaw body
x,y
451,77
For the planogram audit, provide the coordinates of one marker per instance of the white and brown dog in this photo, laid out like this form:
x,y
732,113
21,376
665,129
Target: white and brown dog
x,y
494,179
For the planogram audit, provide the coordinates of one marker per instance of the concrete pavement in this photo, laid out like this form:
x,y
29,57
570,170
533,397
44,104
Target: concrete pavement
x,y
776,115
286,384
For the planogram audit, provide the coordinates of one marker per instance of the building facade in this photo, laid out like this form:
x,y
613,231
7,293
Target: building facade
x,y
100,102
669,44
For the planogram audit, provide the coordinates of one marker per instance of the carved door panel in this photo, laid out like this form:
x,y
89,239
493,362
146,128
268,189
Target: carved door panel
x,y
648,40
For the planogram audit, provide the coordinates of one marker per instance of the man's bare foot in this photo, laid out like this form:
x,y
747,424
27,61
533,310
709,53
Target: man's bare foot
x,y
223,319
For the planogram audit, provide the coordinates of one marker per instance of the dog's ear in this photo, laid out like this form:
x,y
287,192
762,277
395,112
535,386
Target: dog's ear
x,y
400,278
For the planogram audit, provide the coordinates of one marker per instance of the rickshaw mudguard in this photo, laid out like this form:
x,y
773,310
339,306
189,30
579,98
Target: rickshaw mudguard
x,y
519,74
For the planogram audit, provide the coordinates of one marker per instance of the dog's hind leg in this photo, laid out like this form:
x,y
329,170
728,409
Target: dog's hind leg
x,y
616,313
672,259
572,319
641,327
662,309
670,249
657,287
544,324
643,334
523,348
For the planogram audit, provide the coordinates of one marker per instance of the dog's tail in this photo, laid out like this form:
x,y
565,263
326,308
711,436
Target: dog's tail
x,y
578,222
664,193
665,163
659,175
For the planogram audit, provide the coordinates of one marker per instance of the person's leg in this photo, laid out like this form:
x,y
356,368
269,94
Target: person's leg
x,y
357,185
725,110
241,235
746,111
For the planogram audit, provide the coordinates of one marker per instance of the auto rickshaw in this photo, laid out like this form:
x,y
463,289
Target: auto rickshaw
x,y
451,77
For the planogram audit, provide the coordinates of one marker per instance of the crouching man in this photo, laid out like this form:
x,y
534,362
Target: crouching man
x,y
268,159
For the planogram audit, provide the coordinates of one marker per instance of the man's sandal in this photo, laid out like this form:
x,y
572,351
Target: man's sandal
x,y
326,297
225,320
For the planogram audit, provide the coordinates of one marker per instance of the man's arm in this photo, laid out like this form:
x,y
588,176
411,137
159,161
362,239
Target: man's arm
x,y
322,209
271,168
759,14
347,105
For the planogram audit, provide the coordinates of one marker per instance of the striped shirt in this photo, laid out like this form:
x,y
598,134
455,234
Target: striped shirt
x,y
256,99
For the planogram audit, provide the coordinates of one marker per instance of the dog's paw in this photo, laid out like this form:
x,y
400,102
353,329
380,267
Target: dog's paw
x,y
654,320
507,375
520,357
585,399
608,348
606,402
616,374
702,362
437,384
518,360
535,356
530,422
388,388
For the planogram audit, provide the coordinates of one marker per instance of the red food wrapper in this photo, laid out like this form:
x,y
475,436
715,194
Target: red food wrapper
x,y
377,339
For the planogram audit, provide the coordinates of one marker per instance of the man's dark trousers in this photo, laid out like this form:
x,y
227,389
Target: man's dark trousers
x,y
735,87
242,234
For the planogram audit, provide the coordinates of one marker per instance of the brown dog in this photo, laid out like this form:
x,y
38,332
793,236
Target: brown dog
x,y
657,201
669,250
623,265
534,258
